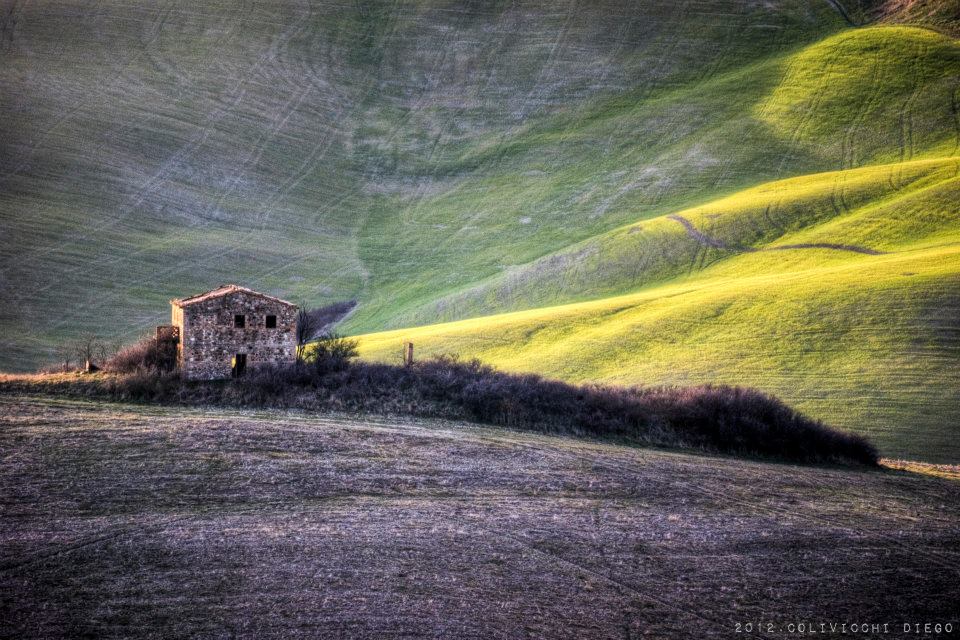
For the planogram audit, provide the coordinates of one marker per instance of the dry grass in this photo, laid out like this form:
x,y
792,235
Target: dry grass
x,y
122,521
949,471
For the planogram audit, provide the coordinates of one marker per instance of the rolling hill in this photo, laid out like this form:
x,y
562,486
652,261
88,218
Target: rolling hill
x,y
657,192
754,289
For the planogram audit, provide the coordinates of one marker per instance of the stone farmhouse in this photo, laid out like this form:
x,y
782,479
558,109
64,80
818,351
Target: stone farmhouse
x,y
222,332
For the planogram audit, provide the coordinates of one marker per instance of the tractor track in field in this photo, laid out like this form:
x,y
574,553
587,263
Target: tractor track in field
x,y
619,466
839,8
716,243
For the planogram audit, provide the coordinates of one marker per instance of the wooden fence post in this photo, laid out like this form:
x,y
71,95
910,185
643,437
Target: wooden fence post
x,y
408,354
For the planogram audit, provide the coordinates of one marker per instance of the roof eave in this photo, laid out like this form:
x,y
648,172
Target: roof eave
x,y
201,297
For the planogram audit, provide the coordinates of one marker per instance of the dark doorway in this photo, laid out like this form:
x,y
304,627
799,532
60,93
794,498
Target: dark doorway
x,y
239,365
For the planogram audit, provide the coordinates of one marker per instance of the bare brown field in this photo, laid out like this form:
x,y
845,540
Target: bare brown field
x,y
122,520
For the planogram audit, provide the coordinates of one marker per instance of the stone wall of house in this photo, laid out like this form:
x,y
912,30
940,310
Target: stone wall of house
x,y
209,339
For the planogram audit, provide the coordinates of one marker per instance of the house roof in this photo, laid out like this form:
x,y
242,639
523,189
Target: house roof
x,y
224,290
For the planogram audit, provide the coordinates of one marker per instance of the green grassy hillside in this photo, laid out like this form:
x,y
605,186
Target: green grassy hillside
x,y
722,190
859,98
874,209
838,291
869,344
351,150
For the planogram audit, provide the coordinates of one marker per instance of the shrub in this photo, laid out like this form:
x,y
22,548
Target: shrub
x,y
148,354
332,352
711,418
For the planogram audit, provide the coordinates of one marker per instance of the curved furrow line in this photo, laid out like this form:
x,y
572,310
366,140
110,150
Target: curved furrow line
x,y
272,55
656,596
839,8
827,245
848,149
162,67
666,52
733,34
909,105
773,223
409,212
248,163
653,43
702,239
561,34
492,54
809,114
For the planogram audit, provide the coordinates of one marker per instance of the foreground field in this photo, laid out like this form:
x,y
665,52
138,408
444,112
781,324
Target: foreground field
x,y
121,520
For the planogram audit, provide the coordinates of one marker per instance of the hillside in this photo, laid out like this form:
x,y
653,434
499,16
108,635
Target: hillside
x,y
331,152
636,157
755,289
125,521
749,192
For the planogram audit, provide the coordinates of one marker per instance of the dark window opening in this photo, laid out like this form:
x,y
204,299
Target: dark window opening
x,y
238,365
239,321
271,322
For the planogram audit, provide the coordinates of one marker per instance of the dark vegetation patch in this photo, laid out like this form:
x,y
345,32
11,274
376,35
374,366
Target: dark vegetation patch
x,y
149,354
324,318
722,419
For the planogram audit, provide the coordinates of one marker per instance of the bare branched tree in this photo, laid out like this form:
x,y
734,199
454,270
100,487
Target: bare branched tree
x,y
306,330
65,356
89,349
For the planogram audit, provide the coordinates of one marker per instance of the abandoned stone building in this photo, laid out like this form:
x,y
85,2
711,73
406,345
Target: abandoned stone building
x,y
223,332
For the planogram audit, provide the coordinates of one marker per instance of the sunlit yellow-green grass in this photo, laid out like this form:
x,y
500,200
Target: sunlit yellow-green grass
x,y
866,342
872,209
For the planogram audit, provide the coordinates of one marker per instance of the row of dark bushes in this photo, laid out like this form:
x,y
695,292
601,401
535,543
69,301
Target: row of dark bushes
x,y
714,418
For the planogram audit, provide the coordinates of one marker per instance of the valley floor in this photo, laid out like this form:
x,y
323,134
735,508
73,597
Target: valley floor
x,y
121,520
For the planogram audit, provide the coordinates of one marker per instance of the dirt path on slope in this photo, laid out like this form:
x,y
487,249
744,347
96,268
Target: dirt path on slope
x,y
716,243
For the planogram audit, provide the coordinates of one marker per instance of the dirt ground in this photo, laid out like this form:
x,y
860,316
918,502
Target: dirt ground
x,y
120,521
